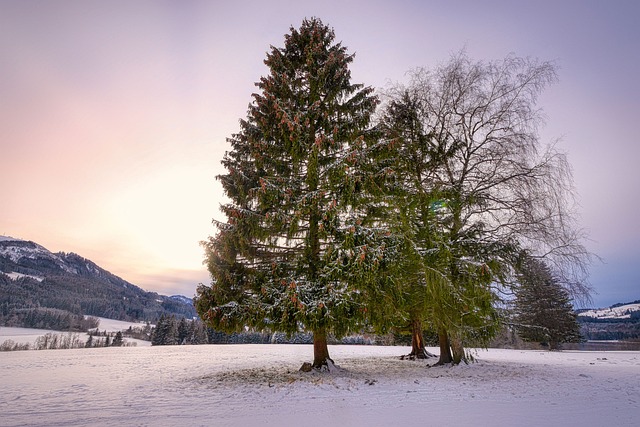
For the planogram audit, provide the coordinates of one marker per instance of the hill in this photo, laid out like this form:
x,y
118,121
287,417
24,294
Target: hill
x,y
37,283
615,312
618,322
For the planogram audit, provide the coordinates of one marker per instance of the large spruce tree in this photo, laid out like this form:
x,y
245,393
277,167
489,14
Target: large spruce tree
x,y
275,263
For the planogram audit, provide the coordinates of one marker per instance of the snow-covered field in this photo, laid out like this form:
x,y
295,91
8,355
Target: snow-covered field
x,y
23,335
29,335
256,385
620,312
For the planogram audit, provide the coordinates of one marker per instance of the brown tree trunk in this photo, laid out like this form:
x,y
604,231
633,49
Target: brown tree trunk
x,y
417,341
445,351
418,349
458,350
320,349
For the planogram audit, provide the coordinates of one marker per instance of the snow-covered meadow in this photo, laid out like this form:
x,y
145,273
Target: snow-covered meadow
x,y
30,335
255,385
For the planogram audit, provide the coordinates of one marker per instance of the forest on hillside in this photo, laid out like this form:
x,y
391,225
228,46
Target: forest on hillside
x,y
61,301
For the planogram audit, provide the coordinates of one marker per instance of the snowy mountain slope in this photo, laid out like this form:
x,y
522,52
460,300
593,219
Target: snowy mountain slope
x,y
27,256
618,311
27,253
31,275
182,298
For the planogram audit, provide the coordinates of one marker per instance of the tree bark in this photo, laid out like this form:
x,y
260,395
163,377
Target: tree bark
x,y
417,341
418,349
320,349
445,351
458,350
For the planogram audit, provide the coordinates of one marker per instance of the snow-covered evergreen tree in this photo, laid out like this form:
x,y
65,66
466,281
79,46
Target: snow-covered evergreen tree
x,y
117,340
275,263
166,331
543,309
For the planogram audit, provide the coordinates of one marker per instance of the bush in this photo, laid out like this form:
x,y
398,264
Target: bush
x,y
10,345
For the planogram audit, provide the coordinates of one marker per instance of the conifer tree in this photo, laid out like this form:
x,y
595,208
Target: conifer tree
x,y
399,198
158,336
275,263
117,340
166,331
182,331
543,309
197,333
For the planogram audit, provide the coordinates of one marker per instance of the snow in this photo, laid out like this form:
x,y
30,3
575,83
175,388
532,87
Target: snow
x,y
23,335
621,312
111,325
250,385
29,335
16,253
16,276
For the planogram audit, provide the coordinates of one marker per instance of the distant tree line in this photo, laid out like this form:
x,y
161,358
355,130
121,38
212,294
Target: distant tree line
x,y
610,329
48,318
171,330
107,339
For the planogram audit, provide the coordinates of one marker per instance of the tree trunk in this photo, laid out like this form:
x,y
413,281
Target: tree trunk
x,y
458,350
417,341
418,349
320,350
445,352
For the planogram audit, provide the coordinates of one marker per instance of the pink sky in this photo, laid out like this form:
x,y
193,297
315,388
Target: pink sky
x,y
114,115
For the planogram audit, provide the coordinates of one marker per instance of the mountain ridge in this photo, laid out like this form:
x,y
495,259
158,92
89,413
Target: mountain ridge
x,y
33,277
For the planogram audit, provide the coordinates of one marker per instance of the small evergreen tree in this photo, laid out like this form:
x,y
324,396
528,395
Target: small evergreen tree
x,y
197,333
117,340
157,337
183,331
543,309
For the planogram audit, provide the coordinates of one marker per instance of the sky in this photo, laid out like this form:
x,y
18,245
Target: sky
x,y
114,115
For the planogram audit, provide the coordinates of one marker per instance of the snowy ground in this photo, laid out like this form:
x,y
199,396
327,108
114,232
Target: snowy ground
x,y
29,335
23,335
256,385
